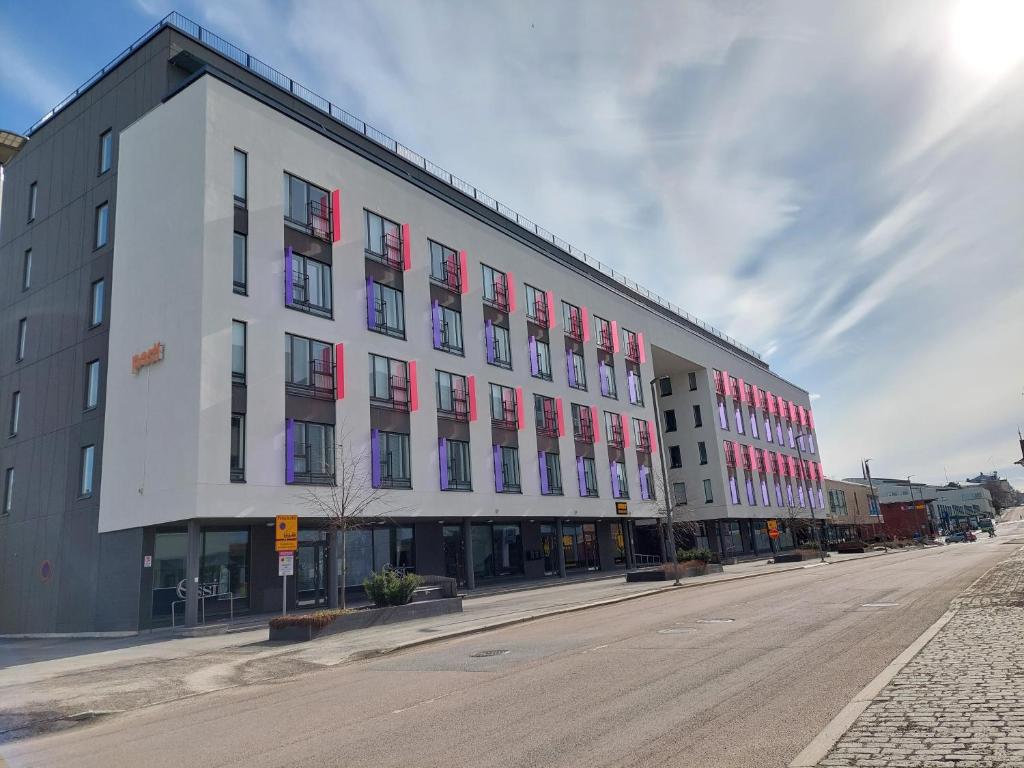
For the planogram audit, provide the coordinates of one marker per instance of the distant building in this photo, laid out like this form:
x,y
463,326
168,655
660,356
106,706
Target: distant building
x,y
852,513
1003,494
904,506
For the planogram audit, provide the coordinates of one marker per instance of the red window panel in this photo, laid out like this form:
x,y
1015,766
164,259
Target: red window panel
x,y
742,390
406,249
730,457
336,214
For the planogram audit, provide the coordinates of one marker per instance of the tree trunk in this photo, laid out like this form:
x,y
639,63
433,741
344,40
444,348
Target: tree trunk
x,y
344,563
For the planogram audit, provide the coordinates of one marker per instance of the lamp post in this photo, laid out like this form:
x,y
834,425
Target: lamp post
x,y
664,484
814,518
871,486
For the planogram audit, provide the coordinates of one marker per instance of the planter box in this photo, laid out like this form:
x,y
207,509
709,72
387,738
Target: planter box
x,y
369,617
789,557
664,572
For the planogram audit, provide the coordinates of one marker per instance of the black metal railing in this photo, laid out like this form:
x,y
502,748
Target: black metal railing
x,y
237,474
604,339
318,219
548,426
450,276
316,472
590,491
500,297
574,328
396,397
643,441
390,250
584,432
454,484
238,377
449,341
459,410
507,417
319,383
615,437
389,480
633,349
502,355
540,312
381,323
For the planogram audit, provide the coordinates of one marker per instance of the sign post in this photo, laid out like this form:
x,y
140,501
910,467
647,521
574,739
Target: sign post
x,y
286,542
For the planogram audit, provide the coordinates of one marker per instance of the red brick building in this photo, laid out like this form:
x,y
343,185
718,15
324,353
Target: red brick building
x,y
901,520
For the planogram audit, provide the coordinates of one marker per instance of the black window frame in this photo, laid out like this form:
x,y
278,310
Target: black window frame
x,y
665,386
387,478
509,417
310,477
21,340
450,271
106,147
316,220
446,344
239,377
33,201
303,304
545,418
572,320
499,288
102,211
8,500
510,452
702,452
691,380
698,417
26,270
243,201
390,253
83,492
380,324
240,287
236,462
322,378
675,457
553,470
671,425
455,483
14,422
459,410
90,406
398,395
97,299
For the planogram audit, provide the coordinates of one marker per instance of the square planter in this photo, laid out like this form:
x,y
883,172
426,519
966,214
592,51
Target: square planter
x,y
368,617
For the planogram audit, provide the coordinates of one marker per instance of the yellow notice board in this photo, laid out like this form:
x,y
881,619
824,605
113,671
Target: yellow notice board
x,y
286,533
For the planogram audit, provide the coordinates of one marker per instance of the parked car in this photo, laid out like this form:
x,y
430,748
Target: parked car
x,y
970,536
956,538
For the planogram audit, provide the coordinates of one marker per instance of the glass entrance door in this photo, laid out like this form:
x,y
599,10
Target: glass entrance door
x,y
454,554
311,573
579,542
549,546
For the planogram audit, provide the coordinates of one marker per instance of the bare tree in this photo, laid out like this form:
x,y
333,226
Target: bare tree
x,y
684,532
353,500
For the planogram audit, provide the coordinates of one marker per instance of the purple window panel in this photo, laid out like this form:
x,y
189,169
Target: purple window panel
x,y
615,481
739,420
734,493
499,470
371,309
489,340
800,491
542,460
810,442
435,319
289,450
288,286
789,493
581,475
723,420
765,498
778,431
644,491
792,442
604,378
767,429
751,499
803,446
534,367
570,368
631,381
778,495
375,458
821,499
442,460
810,497
753,425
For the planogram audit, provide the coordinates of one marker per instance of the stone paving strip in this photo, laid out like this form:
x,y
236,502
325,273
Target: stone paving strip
x,y
960,702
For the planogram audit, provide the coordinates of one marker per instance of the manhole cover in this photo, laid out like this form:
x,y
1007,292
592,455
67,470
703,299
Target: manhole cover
x,y
492,652
715,621
879,605
675,631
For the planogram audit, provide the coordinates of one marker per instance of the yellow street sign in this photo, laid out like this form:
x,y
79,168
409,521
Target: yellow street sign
x,y
286,533
621,508
773,529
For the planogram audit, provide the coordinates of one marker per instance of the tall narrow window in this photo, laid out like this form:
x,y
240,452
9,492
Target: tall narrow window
x,y
691,378
96,301
670,421
239,265
460,474
388,310
241,178
675,457
92,384
237,352
395,461
702,452
237,447
444,266
15,413
33,197
102,224
26,270
698,420
87,466
494,285
106,151
311,286
708,496
8,490
19,351
384,240
452,396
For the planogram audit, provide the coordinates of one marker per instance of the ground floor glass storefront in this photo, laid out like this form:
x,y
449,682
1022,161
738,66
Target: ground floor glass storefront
x,y
367,550
223,571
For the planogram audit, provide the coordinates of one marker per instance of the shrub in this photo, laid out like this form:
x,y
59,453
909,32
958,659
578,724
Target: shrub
x,y
704,555
317,619
388,588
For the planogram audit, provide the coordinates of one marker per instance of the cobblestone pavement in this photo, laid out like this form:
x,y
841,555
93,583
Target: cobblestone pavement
x,y
960,701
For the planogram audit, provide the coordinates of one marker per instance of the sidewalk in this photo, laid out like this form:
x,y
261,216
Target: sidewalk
x,y
958,702
40,695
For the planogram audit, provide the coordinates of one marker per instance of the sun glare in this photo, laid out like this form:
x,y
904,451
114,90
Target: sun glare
x,y
988,35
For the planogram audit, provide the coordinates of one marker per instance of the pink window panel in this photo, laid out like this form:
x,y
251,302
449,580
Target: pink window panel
x,y
414,390
406,249
510,286
463,273
615,336
336,214
643,350
471,386
743,390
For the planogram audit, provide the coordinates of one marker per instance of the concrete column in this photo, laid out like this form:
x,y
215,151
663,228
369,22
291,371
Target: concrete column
x,y
333,553
627,540
467,545
560,548
662,539
192,553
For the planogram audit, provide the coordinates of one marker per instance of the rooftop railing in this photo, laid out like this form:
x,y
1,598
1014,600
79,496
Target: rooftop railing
x,y
271,75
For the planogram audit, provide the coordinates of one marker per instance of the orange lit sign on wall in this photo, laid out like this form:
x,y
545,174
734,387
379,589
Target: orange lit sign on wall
x,y
152,355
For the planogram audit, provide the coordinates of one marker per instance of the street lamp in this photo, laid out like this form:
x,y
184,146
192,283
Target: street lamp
x,y
664,481
821,533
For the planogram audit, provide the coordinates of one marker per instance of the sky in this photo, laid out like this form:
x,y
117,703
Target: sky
x,y
839,185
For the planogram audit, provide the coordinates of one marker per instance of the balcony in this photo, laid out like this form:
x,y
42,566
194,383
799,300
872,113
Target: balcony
x,y
381,323
450,341
499,298
643,441
390,252
506,418
319,382
632,349
300,297
450,276
615,437
548,427
604,339
719,387
318,221
397,397
574,328
540,312
584,432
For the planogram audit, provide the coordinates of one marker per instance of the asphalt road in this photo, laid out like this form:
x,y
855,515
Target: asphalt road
x,y
738,674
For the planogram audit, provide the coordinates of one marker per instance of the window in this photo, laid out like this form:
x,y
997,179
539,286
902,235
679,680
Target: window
x,y
237,352
308,367
613,429
632,344
384,240
679,494
460,473
691,377
587,476
307,206
389,383
670,421
86,469
452,397
106,151
395,464
620,485
635,388
8,490
389,310
15,414
675,457
537,306
708,496
504,409
312,453
240,264
241,178
26,270
545,415
495,287
506,469
102,224
444,266
550,474
582,423
577,370
603,329
237,447
96,301
540,359
311,286
665,386
606,373
19,350
451,330
499,345
642,435
572,320
33,198
698,420
702,452
92,384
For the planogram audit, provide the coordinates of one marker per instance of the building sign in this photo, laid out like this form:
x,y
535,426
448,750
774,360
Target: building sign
x,y
285,564
621,508
147,561
152,355
286,533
